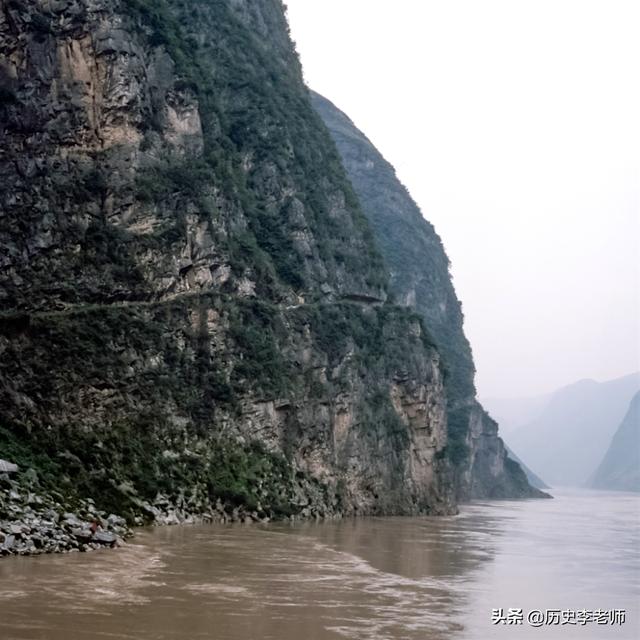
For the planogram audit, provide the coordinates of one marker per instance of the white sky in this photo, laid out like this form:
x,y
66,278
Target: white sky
x,y
515,126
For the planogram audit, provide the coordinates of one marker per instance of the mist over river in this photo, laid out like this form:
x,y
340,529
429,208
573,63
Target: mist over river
x,y
373,578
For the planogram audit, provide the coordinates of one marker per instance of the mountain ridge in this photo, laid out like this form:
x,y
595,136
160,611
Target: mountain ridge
x,y
620,466
195,316
579,421
420,279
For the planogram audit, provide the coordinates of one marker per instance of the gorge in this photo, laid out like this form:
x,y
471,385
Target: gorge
x,y
208,310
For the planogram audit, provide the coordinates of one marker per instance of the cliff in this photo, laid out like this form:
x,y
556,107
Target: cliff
x,y
620,467
534,479
194,315
419,279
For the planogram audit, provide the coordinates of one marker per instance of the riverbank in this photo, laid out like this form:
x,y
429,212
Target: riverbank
x,y
34,522
405,578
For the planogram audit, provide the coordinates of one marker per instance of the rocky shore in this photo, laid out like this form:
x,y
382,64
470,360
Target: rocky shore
x,y
33,522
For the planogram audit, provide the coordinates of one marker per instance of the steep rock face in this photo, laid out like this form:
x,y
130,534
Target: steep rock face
x,y
420,279
143,159
194,313
620,467
280,409
534,480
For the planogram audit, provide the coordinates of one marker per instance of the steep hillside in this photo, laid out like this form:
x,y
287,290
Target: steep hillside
x,y
620,467
420,279
194,315
534,480
567,441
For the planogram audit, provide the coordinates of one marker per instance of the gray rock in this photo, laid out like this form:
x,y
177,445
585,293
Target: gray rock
x,y
70,520
8,543
82,534
8,467
104,537
116,521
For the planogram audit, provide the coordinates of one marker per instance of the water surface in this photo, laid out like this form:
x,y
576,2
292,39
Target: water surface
x,y
380,578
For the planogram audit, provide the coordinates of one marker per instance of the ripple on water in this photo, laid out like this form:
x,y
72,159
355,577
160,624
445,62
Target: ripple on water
x,y
382,578
216,588
92,581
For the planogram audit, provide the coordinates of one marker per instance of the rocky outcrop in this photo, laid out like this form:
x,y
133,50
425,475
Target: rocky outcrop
x,y
534,480
148,154
420,279
8,467
32,523
314,410
194,311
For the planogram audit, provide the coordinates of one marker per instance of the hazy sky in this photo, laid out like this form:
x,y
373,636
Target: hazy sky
x,y
515,126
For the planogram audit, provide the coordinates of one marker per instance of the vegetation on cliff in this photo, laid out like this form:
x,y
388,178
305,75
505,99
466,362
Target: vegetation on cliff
x,y
201,419
419,276
194,315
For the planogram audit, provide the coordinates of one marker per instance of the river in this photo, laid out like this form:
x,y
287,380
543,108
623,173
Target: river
x,y
373,578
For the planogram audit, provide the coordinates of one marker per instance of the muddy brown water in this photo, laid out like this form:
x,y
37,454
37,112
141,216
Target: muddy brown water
x,y
369,578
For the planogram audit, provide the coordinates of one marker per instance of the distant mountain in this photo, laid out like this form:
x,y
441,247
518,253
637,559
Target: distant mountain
x,y
511,413
620,468
566,441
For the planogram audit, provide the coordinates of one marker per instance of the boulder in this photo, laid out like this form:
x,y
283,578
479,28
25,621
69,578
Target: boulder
x,y
104,537
8,467
8,543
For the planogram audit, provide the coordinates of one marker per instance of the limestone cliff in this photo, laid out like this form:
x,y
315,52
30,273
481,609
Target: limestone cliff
x,y
194,314
420,279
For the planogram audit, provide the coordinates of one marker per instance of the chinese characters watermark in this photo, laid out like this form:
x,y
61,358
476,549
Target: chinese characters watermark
x,y
540,617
